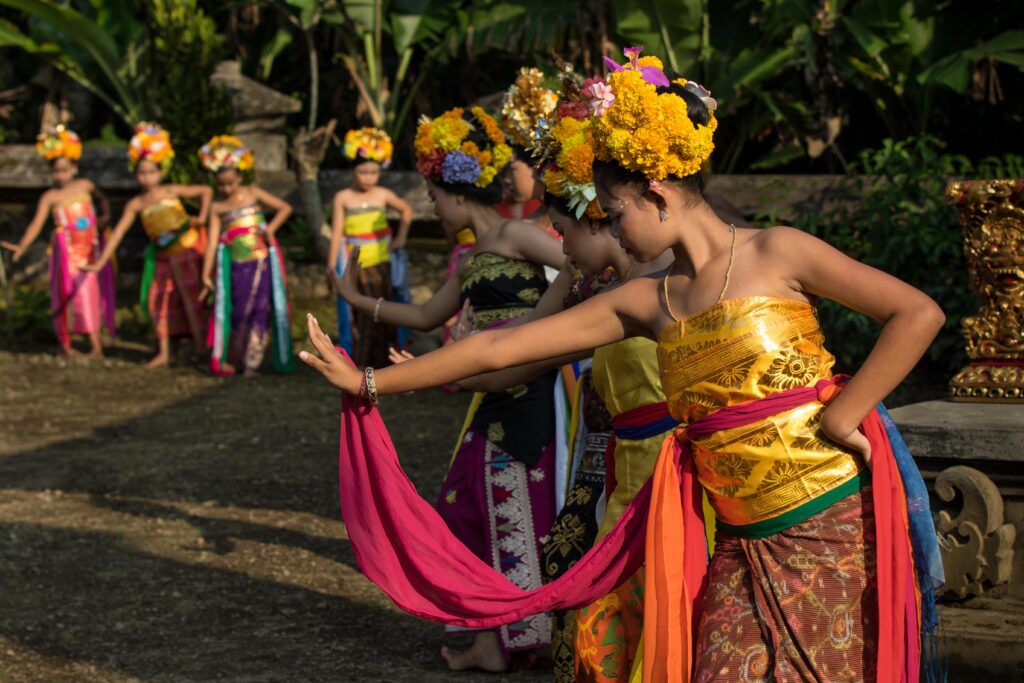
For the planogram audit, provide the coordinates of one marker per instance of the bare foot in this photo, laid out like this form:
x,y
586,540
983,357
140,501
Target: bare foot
x,y
250,372
485,654
95,353
159,361
71,352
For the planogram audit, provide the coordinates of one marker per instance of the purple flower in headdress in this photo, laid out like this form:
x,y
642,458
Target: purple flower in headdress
x,y
459,167
651,74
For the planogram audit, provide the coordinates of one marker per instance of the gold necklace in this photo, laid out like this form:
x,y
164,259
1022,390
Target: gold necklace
x,y
725,287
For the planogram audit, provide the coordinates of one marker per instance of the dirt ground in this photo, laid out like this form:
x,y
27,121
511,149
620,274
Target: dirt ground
x,y
170,526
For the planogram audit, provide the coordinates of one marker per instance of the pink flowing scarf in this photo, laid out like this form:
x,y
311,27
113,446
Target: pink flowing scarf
x,y
404,547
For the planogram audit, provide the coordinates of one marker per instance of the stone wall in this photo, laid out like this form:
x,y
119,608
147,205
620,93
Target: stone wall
x,y
23,175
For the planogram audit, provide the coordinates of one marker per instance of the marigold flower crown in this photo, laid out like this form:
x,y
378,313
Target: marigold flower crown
x,y
564,146
368,144
151,142
445,154
225,151
59,142
526,106
646,131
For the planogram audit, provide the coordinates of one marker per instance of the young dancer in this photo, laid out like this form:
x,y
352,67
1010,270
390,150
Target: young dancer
x,y
172,275
250,298
822,567
80,300
360,220
498,497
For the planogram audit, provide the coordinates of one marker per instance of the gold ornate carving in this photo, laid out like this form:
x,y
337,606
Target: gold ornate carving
x,y
992,215
976,545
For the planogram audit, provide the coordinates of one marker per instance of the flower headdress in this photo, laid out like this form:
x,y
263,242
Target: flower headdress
x,y
59,142
152,142
643,130
368,144
225,151
445,153
527,105
565,148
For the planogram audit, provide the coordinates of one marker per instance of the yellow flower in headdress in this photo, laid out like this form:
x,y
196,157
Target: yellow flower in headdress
x,y
59,142
644,130
225,151
368,144
151,142
444,152
566,149
527,104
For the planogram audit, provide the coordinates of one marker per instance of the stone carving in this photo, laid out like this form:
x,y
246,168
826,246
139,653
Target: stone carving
x,y
992,215
976,546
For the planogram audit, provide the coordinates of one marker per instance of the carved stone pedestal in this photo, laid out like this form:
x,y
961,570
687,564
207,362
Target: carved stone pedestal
x,y
972,457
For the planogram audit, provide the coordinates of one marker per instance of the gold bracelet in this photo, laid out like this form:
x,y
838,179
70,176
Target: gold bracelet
x,y
376,309
371,385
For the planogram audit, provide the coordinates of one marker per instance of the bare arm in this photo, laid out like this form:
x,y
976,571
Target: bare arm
x,y
427,316
337,232
404,223
282,209
210,257
34,228
909,317
205,194
611,317
131,211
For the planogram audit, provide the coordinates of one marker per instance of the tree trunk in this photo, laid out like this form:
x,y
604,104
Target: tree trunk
x,y
308,150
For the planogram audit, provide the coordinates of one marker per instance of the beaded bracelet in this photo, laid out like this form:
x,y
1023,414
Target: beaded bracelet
x,y
368,387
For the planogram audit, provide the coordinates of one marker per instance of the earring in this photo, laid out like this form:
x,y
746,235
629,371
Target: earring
x,y
662,215
459,199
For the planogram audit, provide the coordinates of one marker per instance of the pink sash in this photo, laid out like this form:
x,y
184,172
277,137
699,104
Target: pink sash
x,y
404,547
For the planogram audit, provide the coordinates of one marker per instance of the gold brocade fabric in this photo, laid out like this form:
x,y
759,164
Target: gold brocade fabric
x,y
243,229
625,376
163,219
738,351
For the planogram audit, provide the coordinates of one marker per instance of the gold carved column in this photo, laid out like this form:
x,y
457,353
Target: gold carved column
x,y
992,216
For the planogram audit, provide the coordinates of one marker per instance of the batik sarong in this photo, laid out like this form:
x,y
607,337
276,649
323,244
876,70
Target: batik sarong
x,y
366,340
799,605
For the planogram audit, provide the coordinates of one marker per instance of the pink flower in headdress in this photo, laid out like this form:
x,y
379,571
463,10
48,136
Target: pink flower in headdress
x,y
652,74
603,98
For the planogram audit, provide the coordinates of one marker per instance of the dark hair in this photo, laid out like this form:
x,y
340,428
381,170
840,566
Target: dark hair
x,y
354,163
229,168
490,195
609,174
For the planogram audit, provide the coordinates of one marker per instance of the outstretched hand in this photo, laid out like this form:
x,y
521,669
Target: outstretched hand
x,y
397,356
10,246
337,369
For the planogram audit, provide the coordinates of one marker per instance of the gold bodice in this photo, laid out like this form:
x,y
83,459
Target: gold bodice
x,y
163,220
738,351
243,229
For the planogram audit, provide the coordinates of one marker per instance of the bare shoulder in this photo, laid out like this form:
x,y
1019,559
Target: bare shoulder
x,y
82,185
782,239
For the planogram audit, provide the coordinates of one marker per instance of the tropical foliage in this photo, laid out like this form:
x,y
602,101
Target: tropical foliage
x,y
804,84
